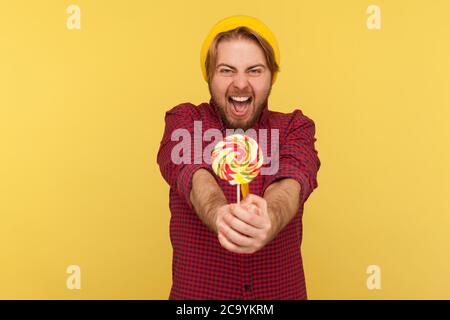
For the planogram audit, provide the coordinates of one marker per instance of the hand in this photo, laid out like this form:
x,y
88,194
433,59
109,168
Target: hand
x,y
220,213
244,227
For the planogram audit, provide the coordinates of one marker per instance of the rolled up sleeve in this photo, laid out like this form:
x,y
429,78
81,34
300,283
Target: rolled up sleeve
x,y
179,175
298,158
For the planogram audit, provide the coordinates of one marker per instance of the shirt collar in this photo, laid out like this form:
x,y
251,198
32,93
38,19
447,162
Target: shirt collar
x,y
262,121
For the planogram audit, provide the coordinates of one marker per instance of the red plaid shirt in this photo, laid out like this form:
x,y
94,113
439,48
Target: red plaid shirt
x,y
201,267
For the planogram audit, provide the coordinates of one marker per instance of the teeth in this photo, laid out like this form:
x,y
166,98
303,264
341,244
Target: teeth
x,y
240,99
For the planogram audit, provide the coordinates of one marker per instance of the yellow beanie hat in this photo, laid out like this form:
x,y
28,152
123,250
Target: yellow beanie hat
x,y
231,23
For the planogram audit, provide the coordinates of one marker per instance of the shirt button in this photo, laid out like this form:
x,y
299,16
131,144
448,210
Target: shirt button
x,y
247,287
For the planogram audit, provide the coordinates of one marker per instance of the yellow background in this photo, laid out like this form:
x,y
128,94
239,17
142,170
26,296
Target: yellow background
x,y
82,115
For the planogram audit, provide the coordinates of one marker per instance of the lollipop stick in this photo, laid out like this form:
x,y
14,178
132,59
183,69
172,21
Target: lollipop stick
x,y
238,193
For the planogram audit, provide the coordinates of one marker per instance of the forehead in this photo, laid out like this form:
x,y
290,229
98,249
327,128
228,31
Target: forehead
x,y
240,53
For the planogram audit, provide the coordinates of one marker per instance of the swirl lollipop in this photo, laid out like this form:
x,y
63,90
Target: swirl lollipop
x,y
237,159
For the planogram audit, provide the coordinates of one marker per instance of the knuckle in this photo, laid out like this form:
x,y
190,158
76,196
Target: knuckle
x,y
224,230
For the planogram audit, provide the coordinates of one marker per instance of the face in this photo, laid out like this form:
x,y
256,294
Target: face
x,y
241,82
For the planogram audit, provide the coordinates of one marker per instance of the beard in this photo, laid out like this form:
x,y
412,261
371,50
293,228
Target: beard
x,y
241,124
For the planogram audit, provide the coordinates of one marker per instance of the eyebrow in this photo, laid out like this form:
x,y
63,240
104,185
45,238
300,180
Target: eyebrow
x,y
231,67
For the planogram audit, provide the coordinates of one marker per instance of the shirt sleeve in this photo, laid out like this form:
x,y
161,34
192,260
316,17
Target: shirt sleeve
x,y
298,158
179,175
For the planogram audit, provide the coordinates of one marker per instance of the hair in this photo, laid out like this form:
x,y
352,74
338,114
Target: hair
x,y
238,34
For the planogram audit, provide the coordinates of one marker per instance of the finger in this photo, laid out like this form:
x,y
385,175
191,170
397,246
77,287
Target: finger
x,y
252,219
240,226
234,236
251,208
225,243
258,201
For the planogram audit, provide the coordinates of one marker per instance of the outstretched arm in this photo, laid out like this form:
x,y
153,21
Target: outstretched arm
x,y
282,199
207,199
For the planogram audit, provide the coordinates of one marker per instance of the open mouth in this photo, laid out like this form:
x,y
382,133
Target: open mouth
x,y
240,105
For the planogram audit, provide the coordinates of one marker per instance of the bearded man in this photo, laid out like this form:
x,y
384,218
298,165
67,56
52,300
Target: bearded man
x,y
247,250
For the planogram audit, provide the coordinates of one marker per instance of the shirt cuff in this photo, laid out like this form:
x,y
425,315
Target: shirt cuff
x,y
289,171
184,182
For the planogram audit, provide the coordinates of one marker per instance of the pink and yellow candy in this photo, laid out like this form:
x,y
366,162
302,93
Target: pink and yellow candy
x,y
237,159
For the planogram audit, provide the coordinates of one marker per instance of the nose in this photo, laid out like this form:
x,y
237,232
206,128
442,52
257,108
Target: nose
x,y
240,82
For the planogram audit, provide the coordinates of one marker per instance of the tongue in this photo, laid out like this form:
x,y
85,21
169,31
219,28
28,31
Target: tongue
x,y
240,106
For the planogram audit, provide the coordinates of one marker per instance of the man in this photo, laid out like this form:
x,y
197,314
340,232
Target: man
x,y
250,250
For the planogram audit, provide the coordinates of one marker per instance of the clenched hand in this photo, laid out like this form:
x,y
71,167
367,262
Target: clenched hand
x,y
244,227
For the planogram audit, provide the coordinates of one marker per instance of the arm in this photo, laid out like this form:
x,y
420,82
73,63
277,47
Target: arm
x,y
282,199
207,198
179,174
191,180
298,158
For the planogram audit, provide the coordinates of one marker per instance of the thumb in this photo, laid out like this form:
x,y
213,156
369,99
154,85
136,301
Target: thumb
x,y
247,199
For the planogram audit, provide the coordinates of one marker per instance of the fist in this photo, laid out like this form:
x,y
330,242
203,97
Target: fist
x,y
245,227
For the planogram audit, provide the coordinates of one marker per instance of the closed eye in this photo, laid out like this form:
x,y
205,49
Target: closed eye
x,y
255,71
